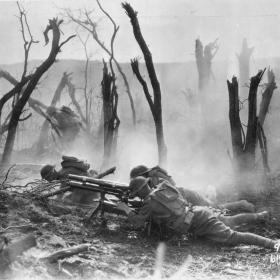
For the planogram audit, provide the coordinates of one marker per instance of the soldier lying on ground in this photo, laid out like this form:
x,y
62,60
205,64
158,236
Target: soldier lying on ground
x,y
166,206
157,173
71,165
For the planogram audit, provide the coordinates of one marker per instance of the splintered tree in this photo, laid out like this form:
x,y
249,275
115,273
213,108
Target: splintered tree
x,y
244,146
24,88
244,66
155,103
110,116
64,121
204,57
43,137
18,86
264,106
87,23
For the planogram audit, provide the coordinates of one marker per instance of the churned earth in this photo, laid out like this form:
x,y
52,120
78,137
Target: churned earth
x,y
117,251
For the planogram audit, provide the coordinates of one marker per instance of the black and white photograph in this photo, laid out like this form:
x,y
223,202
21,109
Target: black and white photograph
x,y
139,139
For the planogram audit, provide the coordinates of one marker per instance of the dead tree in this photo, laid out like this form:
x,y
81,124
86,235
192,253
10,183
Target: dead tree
x,y
111,120
244,66
46,124
252,124
244,146
22,97
264,105
204,57
237,134
266,96
88,93
64,121
45,111
155,103
16,90
91,26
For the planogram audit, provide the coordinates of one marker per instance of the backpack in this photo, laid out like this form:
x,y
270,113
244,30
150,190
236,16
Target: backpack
x,y
169,196
73,162
157,173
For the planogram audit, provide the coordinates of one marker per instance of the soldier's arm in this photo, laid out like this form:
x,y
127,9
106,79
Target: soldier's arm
x,y
139,219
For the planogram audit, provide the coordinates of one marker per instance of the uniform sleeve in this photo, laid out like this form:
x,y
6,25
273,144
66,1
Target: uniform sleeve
x,y
138,219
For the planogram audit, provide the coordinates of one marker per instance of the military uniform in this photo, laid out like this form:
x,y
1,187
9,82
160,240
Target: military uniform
x,y
156,174
72,165
166,205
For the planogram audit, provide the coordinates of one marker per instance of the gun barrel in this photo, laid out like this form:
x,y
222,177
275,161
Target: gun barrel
x,y
96,188
100,182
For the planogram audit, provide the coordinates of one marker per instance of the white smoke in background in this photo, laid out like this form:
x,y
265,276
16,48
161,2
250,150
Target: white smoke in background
x,y
135,148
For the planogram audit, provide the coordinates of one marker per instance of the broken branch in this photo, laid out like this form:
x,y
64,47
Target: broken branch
x,y
65,253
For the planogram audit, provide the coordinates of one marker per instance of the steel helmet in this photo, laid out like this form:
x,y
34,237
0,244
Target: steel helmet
x,y
139,170
137,184
46,170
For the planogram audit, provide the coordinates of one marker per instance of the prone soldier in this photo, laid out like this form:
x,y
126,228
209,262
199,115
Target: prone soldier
x,y
71,165
166,206
157,174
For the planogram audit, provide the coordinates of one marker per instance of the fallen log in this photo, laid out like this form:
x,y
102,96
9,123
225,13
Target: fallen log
x,y
65,253
20,227
10,253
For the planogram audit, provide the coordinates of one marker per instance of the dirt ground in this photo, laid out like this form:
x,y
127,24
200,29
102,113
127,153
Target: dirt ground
x,y
117,251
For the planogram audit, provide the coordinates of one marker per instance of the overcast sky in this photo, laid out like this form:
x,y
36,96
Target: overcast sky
x,y
170,27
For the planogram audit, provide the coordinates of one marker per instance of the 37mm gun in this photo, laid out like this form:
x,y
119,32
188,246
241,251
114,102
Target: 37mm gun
x,y
105,188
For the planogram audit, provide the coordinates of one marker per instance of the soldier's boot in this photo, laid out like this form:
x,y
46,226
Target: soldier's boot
x,y
264,216
238,221
238,206
251,239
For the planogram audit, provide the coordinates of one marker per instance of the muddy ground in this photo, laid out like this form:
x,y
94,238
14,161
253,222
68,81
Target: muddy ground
x,y
117,251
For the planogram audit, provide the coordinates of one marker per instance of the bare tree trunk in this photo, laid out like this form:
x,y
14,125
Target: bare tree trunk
x,y
264,105
155,105
162,150
204,58
235,123
251,135
111,120
263,147
18,87
266,96
18,108
244,148
90,26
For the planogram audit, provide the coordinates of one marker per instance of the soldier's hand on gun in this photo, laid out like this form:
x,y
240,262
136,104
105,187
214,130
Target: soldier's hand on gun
x,y
124,207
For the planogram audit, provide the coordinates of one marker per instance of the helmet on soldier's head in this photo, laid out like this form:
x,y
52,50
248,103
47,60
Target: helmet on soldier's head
x,y
138,170
137,184
46,171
